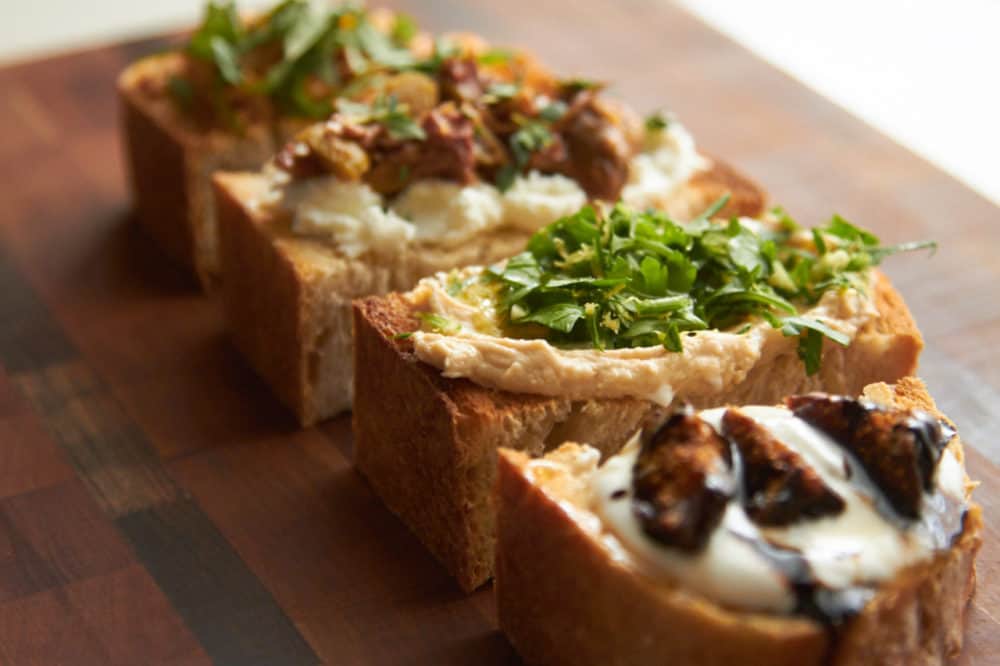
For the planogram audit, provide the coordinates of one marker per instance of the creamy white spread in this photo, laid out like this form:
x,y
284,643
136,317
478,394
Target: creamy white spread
x,y
358,219
857,547
710,361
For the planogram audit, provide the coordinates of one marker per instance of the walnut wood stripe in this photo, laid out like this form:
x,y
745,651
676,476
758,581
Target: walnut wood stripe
x,y
221,601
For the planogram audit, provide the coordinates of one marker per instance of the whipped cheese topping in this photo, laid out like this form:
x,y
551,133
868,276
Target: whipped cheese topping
x,y
359,219
846,554
668,160
710,360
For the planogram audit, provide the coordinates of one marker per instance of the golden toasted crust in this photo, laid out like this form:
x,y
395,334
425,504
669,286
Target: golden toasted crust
x,y
288,298
170,164
746,198
562,598
454,423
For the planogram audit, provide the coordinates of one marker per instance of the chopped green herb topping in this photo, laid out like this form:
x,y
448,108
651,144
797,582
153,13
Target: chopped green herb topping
x,y
443,50
553,111
533,136
495,57
638,279
501,90
404,29
578,84
657,122
308,41
436,323
181,90
387,111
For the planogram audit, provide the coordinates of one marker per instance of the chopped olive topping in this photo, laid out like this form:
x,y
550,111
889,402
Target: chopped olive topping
x,y
682,482
779,488
898,448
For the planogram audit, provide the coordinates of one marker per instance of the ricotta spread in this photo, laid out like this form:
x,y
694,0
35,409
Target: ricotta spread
x,y
710,361
846,553
359,219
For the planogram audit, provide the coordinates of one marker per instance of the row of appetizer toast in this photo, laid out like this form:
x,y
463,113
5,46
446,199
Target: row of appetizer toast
x,y
584,358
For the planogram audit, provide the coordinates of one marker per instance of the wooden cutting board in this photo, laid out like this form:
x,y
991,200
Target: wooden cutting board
x,y
156,505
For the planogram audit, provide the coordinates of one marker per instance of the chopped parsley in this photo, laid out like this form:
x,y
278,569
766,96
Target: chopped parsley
x,y
386,111
501,90
438,323
495,56
308,41
553,111
657,121
532,136
639,279
575,85
404,29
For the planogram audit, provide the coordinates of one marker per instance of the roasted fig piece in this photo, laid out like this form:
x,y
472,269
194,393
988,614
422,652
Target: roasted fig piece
x,y
779,488
460,80
681,482
447,152
898,448
600,141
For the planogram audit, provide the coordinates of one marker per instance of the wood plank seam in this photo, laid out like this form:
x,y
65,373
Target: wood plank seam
x,y
234,617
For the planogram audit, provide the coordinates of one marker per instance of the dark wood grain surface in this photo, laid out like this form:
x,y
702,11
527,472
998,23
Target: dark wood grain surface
x,y
157,506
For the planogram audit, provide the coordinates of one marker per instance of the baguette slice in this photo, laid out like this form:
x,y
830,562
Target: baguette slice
x,y
288,298
433,460
170,163
564,597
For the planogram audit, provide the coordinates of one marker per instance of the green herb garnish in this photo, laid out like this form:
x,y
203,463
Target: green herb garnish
x,y
310,43
553,111
436,323
533,136
404,29
657,122
181,91
443,50
639,279
501,90
577,84
495,57
386,111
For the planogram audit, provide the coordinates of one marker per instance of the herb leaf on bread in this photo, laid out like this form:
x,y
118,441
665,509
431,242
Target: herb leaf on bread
x,y
627,278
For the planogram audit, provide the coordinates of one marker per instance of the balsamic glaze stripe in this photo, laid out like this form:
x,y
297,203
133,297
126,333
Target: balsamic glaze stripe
x,y
222,602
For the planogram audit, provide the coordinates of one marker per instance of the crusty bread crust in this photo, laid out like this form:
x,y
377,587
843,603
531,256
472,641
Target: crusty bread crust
x,y
562,598
433,462
170,164
746,197
287,298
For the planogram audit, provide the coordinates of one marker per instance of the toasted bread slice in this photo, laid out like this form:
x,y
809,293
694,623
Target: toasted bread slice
x,y
565,595
170,163
433,461
287,298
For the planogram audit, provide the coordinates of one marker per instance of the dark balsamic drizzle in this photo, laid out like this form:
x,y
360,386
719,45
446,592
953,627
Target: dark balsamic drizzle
x,y
828,606
944,517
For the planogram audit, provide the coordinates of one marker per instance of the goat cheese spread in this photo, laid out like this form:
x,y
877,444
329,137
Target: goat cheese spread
x,y
359,220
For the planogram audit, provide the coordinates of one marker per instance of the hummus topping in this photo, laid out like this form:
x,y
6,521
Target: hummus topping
x,y
710,360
